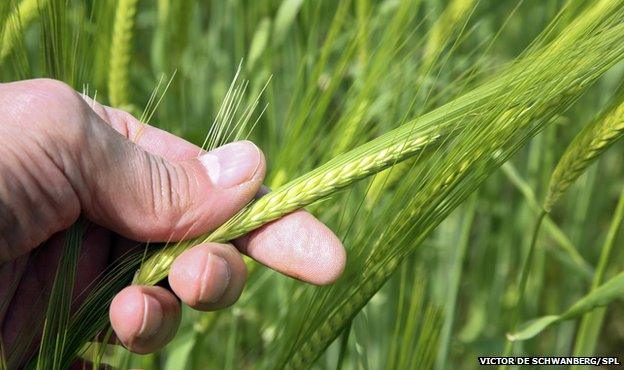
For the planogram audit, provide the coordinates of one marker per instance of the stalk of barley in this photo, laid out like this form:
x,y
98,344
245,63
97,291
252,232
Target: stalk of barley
x,y
586,147
583,64
336,174
121,47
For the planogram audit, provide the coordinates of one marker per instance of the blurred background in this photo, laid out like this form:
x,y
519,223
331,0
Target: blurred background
x,y
315,79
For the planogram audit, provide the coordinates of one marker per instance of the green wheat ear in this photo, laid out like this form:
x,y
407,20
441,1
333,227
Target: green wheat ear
x,y
586,147
120,53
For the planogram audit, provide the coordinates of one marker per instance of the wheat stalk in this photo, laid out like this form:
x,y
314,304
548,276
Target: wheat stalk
x,y
120,52
586,147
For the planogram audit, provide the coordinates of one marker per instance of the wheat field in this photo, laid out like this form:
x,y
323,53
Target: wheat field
x,y
466,152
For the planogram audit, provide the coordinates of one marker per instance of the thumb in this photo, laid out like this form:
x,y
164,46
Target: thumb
x,y
146,197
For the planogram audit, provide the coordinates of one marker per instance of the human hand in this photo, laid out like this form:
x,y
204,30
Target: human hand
x,y
63,155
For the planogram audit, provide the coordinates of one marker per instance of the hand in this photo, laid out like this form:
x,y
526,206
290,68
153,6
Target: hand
x,y
63,155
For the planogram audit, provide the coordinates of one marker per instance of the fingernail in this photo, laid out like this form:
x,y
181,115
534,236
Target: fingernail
x,y
152,317
232,164
215,279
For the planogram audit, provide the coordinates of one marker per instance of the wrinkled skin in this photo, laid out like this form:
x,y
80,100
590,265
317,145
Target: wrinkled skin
x,y
63,155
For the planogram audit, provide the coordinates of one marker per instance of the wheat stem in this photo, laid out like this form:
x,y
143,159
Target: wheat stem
x,y
523,279
591,323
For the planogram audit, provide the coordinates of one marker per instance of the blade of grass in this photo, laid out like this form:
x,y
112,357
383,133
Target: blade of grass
x,y
591,323
57,316
454,283
606,293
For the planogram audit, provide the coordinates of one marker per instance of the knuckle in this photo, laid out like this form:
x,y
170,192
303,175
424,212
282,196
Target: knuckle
x,y
122,121
45,107
45,96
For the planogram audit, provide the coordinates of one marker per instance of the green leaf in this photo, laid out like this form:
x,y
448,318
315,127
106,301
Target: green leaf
x,y
533,327
608,292
259,42
179,356
284,19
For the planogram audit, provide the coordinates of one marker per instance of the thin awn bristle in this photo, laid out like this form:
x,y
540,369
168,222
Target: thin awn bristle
x,y
152,103
221,129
